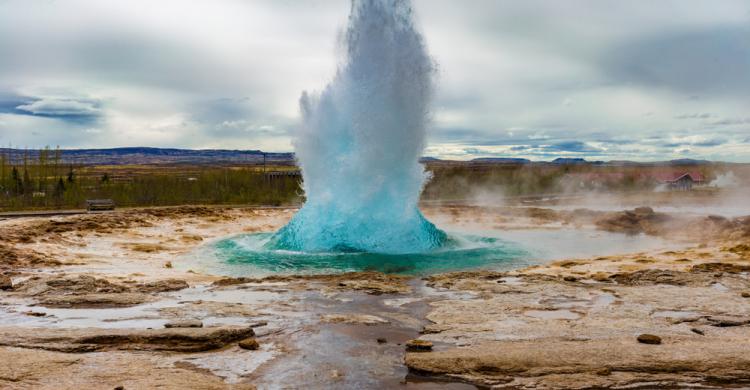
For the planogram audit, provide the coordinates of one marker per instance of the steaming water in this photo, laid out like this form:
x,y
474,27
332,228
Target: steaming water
x,y
360,142
250,255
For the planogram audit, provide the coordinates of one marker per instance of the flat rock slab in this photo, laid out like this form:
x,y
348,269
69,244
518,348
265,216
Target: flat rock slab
x,y
96,339
600,363
184,324
94,300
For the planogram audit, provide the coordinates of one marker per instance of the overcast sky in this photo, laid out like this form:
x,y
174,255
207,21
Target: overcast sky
x,y
600,79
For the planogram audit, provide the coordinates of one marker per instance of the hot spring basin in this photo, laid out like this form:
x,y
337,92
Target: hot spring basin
x,y
249,255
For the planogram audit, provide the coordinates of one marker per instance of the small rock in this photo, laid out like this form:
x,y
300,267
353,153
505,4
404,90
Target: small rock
x,y
120,388
728,320
606,371
418,346
600,277
35,314
649,339
745,294
697,331
6,283
643,211
184,324
250,344
335,374
570,278
382,340
168,264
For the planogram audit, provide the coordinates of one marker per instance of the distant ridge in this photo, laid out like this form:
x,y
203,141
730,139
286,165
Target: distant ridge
x,y
151,155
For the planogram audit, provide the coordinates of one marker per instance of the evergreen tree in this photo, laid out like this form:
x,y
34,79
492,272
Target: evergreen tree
x,y
27,185
15,178
59,189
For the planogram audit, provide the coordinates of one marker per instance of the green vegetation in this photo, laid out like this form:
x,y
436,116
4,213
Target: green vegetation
x,y
47,183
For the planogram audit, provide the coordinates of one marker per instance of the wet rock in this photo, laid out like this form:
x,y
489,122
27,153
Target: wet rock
x,y
730,268
649,339
728,321
6,283
95,339
637,221
14,258
374,287
741,249
184,324
601,277
94,300
417,345
362,319
80,284
165,285
249,343
229,281
643,211
658,276
66,285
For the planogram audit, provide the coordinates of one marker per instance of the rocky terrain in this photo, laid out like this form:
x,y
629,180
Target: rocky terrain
x,y
113,300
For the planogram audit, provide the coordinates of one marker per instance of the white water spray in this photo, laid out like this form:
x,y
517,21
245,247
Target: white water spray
x,y
361,139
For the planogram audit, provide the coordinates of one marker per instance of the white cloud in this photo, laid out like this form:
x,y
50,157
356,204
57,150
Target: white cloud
x,y
60,107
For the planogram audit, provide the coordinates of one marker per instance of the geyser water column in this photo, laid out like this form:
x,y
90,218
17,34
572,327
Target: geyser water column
x,y
361,139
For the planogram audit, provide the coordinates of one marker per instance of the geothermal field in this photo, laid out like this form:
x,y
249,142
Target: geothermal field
x,y
576,251
148,298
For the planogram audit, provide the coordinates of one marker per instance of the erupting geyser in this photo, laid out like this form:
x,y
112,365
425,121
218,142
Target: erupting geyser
x,y
361,139
359,147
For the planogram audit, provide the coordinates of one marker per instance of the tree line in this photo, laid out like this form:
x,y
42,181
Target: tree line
x,y
44,181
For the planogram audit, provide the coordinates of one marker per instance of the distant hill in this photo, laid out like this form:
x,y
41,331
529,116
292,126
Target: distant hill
x,y
145,155
569,161
501,160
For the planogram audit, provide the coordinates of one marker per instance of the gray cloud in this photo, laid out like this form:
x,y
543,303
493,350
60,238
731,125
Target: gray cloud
x,y
702,61
606,78
702,115
571,146
732,121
